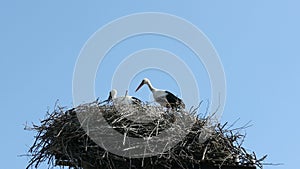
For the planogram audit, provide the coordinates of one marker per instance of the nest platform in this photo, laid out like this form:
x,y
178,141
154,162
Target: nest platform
x,y
62,140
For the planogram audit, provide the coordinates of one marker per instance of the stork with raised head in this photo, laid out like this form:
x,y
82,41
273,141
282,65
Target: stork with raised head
x,y
122,99
163,97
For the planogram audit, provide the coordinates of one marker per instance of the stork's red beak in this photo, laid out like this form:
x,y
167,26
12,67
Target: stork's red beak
x,y
139,86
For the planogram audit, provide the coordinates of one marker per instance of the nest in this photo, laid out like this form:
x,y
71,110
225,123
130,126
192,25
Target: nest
x,y
65,138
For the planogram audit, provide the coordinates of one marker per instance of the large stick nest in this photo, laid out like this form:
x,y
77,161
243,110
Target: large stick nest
x,y
62,140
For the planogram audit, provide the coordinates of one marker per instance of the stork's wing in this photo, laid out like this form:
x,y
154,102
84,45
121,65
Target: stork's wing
x,y
174,101
136,100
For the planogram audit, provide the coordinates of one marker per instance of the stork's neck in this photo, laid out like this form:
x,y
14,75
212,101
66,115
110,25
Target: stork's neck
x,y
151,87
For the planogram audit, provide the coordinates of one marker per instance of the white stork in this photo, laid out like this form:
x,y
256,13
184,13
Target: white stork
x,y
163,97
123,99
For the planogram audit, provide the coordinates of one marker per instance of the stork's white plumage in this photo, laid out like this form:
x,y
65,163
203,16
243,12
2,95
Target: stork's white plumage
x,y
122,99
163,97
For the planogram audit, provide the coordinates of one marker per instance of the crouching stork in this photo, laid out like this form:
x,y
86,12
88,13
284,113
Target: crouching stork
x,y
122,99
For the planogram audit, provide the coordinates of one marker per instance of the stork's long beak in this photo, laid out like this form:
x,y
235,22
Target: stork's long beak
x,y
109,97
139,86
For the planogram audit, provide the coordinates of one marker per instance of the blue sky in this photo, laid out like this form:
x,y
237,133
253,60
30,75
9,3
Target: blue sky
x,y
257,41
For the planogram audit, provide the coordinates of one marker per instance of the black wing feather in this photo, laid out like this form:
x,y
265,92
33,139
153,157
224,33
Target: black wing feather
x,y
136,100
174,101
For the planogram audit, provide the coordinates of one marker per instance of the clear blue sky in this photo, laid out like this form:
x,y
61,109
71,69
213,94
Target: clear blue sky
x,y
257,41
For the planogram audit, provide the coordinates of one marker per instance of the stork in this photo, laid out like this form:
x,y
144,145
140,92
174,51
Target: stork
x,y
123,99
163,97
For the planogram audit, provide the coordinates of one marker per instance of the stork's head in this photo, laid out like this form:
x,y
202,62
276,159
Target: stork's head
x,y
145,81
112,94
